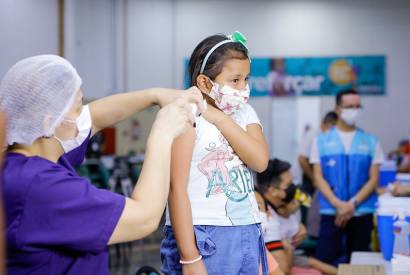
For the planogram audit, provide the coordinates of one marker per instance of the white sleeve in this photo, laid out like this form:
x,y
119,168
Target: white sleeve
x,y
314,153
378,157
251,116
272,232
305,146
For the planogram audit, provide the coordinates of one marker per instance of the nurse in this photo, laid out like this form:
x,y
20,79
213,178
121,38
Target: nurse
x,y
56,221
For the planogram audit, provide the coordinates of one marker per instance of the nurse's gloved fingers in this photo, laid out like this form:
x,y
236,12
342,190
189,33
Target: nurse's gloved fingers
x,y
190,112
173,119
186,108
194,95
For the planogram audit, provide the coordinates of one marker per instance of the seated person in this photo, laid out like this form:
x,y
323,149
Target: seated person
x,y
400,189
397,189
281,227
401,156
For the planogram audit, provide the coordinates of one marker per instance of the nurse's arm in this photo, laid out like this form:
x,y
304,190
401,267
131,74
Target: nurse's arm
x,y
370,185
108,111
143,211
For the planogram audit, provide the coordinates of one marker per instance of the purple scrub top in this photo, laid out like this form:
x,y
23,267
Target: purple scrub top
x,y
56,221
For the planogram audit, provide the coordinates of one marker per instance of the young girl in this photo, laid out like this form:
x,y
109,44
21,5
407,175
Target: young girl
x,y
212,206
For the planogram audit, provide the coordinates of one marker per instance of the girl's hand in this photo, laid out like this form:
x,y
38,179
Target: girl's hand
x,y
173,119
197,268
213,115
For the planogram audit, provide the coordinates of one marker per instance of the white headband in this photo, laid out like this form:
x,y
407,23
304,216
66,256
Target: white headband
x,y
211,51
235,37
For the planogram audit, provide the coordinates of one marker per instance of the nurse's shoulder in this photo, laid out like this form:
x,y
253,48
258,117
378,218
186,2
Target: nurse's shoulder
x,y
24,175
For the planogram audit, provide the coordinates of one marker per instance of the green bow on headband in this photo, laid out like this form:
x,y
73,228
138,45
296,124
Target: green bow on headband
x,y
237,36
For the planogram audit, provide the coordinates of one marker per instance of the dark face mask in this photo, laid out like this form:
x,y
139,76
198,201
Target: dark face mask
x,y
290,193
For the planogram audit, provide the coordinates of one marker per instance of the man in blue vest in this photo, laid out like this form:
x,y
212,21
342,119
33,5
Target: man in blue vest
x,y
346,167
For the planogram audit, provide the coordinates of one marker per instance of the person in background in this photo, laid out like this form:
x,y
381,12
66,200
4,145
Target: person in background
x,y
399,189
346,163
311,216
401,156
282,229
328,121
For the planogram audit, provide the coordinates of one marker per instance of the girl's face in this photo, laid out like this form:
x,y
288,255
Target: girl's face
x,y
235,73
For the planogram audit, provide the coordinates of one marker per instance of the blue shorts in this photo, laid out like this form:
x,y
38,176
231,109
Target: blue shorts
x,y
225,250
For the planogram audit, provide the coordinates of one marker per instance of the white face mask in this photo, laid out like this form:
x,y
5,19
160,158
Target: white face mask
x,y
83,123
228,99
350,116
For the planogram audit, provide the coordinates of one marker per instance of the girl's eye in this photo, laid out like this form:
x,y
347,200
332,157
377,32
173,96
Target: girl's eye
x,y
247,79
236,80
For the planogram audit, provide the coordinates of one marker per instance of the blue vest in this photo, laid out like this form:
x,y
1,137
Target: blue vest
x,y
346,172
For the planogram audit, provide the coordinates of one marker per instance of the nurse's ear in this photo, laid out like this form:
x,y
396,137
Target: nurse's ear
x,y
47,122
203,83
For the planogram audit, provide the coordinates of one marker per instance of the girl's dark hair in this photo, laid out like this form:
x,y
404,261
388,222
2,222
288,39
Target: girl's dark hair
x,y
217,59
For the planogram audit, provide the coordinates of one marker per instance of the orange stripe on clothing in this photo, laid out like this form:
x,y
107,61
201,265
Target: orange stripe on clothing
x,y
275,245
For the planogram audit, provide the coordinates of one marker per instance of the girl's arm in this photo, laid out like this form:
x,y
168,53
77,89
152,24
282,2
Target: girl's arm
x,y
250,145
179,203
110,110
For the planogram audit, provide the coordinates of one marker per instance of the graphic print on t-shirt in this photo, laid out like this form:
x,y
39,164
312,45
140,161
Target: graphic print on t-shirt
x,y
226,174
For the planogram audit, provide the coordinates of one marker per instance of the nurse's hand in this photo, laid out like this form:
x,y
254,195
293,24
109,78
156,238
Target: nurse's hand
x,y
192,95
173,119
197,268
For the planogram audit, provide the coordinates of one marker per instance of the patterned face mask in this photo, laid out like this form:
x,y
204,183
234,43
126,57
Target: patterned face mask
x,y
228,99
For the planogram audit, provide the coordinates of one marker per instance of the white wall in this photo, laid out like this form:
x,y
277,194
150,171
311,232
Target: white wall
x,y
150,43
132,44
296,28
26,28
91,41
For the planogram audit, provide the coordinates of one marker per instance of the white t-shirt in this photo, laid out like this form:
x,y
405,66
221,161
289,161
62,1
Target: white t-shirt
x,y
271,226
306,142
221,187
347,139
278,228
289,226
